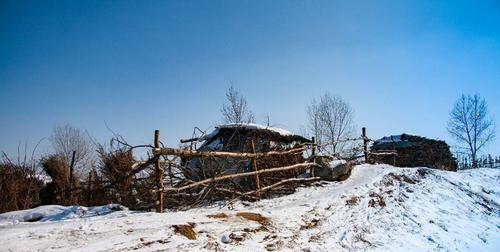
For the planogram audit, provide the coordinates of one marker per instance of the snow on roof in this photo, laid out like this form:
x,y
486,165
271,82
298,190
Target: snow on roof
x,y
389,139
250,126
255,126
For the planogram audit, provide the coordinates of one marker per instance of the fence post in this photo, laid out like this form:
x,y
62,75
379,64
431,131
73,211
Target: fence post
x,y
254,168
313,170
91,187
159,175
365,143
72,164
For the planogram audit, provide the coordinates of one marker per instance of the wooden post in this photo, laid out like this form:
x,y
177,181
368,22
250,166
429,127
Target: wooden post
x,y
91,187
394,156
159,175
365,143
313,169
71,166
254,168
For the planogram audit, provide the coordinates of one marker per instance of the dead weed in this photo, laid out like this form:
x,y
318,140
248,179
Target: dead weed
x,y
185,230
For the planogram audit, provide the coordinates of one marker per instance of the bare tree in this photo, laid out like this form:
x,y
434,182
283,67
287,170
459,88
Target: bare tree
x,y
267,121
470,125
66,139
331,120
235,109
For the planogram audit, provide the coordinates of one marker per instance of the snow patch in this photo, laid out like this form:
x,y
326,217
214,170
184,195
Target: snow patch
x,y
57,213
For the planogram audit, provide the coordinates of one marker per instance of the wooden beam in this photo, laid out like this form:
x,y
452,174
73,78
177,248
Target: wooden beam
x,y
191,153
265,188
243,174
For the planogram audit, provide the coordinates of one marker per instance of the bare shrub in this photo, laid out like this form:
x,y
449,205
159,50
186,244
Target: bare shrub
x,y
96,192
131,190
19,186
58,190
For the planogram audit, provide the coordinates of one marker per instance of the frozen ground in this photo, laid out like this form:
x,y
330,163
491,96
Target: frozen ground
x,y
379,208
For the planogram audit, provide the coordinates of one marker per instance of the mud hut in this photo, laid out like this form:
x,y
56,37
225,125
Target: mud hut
x,y
246,138
413,151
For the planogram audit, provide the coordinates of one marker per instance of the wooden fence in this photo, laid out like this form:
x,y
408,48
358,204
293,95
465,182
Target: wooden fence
x,y
464,161
167,167
170,180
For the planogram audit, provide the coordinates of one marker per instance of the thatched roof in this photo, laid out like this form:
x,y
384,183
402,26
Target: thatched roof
x,y
271,133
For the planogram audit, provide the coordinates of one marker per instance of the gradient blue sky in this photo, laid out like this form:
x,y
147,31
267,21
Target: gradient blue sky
x,y
145,65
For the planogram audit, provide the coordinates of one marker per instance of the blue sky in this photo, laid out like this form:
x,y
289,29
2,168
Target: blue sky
x,y
145,65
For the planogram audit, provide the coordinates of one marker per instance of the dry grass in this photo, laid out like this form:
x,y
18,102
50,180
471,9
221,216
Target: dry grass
x,y
376,199
185,230
314,238
403,178
255,230
361,237
312,224
254,217
352,201
238,237
218,216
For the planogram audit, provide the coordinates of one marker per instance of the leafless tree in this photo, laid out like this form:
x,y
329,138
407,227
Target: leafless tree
x,y
267,121
331,120
66,139
470,125
235,108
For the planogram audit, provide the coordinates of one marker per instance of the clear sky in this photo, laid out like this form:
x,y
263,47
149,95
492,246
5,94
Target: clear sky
x,y
145,65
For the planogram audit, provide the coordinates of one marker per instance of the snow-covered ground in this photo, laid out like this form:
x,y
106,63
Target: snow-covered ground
x,y
379,208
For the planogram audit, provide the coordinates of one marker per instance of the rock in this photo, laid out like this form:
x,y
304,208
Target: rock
x,y
332,170
225,239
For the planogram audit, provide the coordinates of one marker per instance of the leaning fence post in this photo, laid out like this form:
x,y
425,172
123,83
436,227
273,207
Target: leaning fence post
x,y
313,153
254,168
159,175
365,143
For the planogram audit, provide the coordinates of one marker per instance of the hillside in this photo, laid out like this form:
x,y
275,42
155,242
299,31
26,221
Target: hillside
x,y
379,208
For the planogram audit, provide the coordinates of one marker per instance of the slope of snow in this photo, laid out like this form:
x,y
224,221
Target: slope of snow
x,y
379,208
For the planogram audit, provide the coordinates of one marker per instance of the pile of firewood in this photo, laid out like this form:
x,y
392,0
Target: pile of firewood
x,y
415,151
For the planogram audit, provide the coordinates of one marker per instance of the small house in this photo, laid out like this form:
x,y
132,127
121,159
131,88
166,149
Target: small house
x,y
245,138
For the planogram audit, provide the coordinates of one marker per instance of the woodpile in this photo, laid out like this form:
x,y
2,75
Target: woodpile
x,y
413,151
